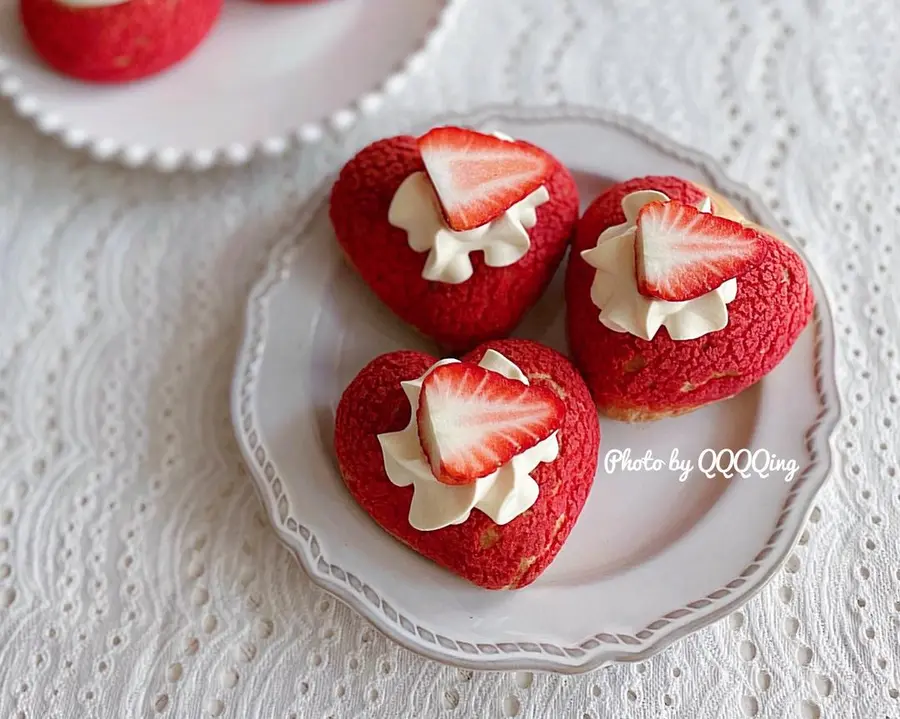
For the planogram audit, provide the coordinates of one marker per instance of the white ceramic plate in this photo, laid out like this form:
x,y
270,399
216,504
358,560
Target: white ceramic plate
x,y
651,558
266,77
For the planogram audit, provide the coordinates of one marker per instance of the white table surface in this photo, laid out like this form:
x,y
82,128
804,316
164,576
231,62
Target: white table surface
x,y
138,577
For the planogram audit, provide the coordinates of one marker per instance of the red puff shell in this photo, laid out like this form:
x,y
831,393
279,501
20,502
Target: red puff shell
x,y
117,43
488,305
633,379
491,556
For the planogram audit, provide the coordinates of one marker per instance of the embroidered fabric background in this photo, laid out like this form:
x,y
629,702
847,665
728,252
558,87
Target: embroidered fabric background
x,y
138,576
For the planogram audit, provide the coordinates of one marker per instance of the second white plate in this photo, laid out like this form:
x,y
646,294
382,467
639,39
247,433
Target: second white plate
x,y
268,75
651,559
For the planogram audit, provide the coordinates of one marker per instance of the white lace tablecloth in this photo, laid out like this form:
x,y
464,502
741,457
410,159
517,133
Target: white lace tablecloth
x,y
138,576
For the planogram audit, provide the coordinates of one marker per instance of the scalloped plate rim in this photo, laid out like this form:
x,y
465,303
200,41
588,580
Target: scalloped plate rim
x,y
169,159
795,509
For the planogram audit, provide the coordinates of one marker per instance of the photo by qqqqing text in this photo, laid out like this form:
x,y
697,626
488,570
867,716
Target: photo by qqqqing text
x,y
728,463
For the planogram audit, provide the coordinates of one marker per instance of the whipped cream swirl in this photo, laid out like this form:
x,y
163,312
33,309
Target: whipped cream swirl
x,y
504,240
502,495
615,292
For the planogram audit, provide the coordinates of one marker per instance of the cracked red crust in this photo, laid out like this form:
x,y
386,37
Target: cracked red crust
x,y
491,556
488,305
633,379
117,43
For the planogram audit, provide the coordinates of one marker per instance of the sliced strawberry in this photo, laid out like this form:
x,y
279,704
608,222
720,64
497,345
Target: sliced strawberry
x,y
478,177
473,421
682,253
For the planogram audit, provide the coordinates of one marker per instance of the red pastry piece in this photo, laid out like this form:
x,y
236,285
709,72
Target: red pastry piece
x,y
116,43
489,555
636,380
478,177
472,421
490,303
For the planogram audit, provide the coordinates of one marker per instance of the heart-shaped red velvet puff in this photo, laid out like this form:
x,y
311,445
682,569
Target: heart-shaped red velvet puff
x,y
636,380
489,304
489,555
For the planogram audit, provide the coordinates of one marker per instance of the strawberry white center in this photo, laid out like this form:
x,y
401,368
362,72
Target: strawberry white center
x,y
472,421
457,424
682,253
477,177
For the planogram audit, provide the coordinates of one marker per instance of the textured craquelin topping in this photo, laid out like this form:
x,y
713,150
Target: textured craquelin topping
x,y
491,556
458,317
629,376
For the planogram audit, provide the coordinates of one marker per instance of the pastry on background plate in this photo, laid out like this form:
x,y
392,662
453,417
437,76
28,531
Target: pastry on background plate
x,y
110,41
457,232
675,300
481,465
